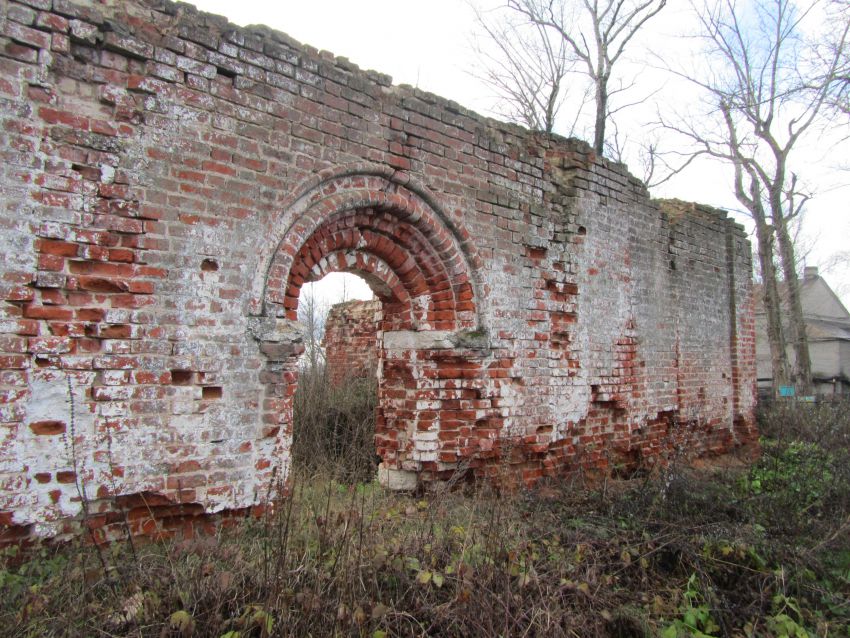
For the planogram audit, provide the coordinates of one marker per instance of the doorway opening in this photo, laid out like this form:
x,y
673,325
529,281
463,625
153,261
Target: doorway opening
x,y
335,401
382,226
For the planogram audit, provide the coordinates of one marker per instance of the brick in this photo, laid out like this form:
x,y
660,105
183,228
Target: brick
x,y
101,284
68,118
54,247
22,53
17,293
45,5
174,189
112,393
129,45
60,43
47,312
50,345
52,22
20,14
66,477
25,35
47,428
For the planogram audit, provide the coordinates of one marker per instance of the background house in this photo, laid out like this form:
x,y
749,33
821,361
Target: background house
x,y
828,329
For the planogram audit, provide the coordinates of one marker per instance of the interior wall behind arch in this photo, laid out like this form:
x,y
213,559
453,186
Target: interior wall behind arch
x,y
351,341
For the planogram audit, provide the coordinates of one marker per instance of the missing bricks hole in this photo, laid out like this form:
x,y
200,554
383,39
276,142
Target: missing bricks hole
x,y
582,230
225,72
211,392
181,377
87,172
209,265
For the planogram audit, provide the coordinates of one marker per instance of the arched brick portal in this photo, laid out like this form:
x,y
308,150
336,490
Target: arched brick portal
x,y
381,227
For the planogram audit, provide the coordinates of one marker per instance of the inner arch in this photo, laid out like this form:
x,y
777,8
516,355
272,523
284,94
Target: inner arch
x,y
336,193
417,272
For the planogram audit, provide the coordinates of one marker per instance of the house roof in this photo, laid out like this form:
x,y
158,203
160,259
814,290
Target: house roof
x,y
825,330
823,311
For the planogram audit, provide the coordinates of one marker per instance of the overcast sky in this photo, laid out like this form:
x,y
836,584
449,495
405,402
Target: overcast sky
x,y
427,43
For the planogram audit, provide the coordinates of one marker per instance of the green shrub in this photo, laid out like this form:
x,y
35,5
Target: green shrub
x,y
798,472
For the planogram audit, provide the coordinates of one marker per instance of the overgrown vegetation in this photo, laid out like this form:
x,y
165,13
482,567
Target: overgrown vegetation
x,y
742,551
334,427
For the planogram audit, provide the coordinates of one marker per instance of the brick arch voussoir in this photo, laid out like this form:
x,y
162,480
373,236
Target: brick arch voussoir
x,y
410,255
339,237
435,266
384,282
397,304
406,265
341,253
359,186
406,262
410,237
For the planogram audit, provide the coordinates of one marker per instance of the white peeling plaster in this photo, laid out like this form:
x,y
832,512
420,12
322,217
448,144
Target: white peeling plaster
x,y
412,340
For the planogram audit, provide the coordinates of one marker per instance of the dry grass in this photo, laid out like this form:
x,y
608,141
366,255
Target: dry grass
x,y
334,427
742,552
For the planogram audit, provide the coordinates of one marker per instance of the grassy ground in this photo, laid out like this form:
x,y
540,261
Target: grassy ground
x,y
742,551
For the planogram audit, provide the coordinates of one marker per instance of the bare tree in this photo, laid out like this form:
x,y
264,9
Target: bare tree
x,y
596,34
766,90
525,66
836,264
652,165
834,46
312,313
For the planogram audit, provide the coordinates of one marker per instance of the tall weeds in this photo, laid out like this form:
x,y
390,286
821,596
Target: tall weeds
x,y
704,553
334,426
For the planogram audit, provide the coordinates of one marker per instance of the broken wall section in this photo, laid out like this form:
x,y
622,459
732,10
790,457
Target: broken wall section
x,y
639,341
351,341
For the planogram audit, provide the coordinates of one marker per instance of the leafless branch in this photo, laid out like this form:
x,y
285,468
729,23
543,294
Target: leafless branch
x,y
768,86
612,24
525,67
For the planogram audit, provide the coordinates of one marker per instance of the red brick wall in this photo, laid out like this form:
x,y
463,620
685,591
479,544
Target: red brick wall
x,y
350,341
170,181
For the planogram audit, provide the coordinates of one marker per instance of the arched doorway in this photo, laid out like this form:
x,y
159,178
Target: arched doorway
x,y
382,228
333,433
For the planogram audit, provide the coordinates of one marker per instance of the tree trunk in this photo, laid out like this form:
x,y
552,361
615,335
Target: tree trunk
x,y
601,115
770,298
797,327
751,198
551,105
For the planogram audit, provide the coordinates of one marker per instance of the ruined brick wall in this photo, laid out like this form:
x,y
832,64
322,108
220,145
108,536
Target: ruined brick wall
x,y
351,340
170,181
